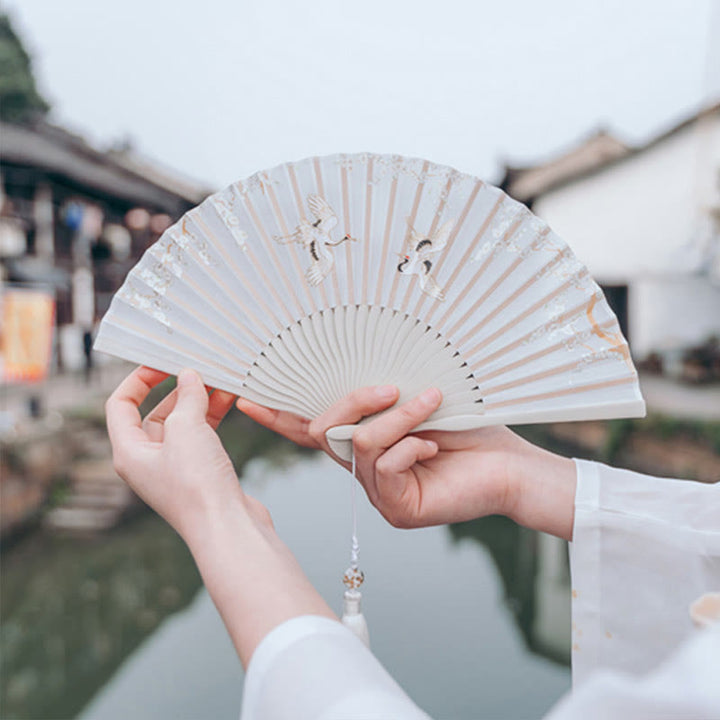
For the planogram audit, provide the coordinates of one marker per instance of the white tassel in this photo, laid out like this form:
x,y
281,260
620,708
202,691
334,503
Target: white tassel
x,y
352,617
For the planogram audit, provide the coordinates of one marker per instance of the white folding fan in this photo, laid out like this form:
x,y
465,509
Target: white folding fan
x,y
303,282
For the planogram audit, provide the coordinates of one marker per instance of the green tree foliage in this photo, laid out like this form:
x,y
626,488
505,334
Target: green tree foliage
x,y
20,101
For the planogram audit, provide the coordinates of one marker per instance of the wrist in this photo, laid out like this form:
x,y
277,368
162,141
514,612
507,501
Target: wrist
x,y
544,491
251,576
210,516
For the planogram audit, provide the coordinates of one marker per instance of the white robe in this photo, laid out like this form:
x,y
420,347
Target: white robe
x,y
643,549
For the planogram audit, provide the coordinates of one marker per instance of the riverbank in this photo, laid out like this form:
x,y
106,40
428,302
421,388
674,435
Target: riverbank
x,y
655,445
39,456
57,470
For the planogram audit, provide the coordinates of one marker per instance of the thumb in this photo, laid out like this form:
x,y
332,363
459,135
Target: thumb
x,y
192,398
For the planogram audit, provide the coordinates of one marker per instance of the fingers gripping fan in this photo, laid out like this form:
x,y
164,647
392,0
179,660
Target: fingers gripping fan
x,y
303,282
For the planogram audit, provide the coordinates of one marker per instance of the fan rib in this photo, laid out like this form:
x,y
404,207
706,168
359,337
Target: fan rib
x,y
289,355
529,311
505,275
258,321
481,271
410,221
230,292
423,351
313,351
349,275
269,248
343,342
371,345
311,354
283,381
283,227
516,294
271,397
168,343
275,377
386,239
146,355
498,282
399,339
301,213
331,360
321,191
192,284
466,256
228,217
354,330
338,347
458,225
564,391
257,265
576,364
235,360
384,336
542,353
561,320
365,334
191,311
366,230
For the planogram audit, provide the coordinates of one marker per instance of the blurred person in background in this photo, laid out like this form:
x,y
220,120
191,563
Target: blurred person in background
x,y
88,352
643,549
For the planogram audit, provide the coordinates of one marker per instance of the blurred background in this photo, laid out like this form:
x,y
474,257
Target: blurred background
x,y
116,118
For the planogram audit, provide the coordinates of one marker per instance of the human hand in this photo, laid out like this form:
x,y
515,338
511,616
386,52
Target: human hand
x,y
173,459
438,477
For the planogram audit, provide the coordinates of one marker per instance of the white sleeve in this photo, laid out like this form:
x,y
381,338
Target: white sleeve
x,y
643,550
313,668
686,687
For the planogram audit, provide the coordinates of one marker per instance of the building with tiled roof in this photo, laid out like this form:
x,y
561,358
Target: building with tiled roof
x,y
646,221
75,219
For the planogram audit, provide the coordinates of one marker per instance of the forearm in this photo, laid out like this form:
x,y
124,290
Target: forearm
x,y
252,577
544,494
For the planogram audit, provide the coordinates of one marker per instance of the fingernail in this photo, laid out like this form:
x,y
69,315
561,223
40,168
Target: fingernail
x,y
430,444
386,391
186,377
431,396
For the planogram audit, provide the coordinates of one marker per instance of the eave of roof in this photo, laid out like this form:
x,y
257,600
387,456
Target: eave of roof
x,y
56,151
513,175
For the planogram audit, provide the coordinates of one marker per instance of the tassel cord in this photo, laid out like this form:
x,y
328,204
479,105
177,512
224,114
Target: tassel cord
x,y
355,547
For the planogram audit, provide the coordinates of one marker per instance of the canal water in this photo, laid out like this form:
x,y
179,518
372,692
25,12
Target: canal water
x,y
472,620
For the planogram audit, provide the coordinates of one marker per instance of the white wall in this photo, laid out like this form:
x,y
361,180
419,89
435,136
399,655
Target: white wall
x,y
643,222
672,313
638,216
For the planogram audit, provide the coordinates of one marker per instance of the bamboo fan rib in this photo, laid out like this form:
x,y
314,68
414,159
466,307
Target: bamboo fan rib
x,y
308,280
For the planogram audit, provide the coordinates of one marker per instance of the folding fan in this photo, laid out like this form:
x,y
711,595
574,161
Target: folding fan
x,y
303,282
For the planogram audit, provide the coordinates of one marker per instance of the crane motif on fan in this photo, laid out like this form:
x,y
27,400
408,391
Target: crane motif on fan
x,y
316,239
415,258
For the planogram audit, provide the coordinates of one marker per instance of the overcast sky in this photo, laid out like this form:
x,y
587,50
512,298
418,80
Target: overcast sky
x,y
221,88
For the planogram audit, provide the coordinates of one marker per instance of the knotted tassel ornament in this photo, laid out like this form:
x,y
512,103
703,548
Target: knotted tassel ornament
x,y
353,578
